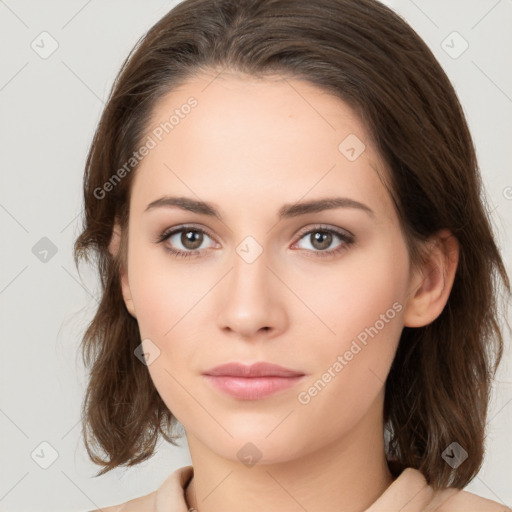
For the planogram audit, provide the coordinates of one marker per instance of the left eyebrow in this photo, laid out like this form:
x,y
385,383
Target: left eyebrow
x,y
286,211
318,205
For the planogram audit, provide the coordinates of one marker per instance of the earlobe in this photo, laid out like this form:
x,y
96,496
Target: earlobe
x,y
127,296
115,239
114,247
432,285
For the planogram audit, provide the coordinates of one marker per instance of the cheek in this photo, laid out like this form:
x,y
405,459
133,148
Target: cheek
x,y
168,302
351,367
360,298
161,294
363,309
165,303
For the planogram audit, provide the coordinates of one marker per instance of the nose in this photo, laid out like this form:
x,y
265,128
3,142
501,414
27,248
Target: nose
x,y
251,300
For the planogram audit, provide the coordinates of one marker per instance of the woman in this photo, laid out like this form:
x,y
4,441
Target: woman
x,y
297,267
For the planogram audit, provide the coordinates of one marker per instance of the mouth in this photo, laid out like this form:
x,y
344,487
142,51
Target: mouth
x,y
252,382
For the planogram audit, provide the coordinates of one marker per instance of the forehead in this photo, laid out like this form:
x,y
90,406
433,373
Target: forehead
x,y
244,138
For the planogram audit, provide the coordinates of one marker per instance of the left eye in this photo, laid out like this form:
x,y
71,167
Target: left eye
x,y
320,239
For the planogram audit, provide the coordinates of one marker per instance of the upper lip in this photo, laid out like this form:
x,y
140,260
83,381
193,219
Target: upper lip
x,y
261,369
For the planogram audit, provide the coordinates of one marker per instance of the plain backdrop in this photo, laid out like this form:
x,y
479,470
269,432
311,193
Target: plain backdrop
x,y
50,105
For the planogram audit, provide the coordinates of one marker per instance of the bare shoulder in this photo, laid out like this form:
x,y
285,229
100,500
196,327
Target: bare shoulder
x,y
465,501
144,503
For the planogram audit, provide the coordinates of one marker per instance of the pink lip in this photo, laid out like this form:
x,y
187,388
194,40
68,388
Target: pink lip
x,y
261,369
252,382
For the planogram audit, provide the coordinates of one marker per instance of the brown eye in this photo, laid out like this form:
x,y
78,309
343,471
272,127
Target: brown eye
x,y
185,241
321,240
191,239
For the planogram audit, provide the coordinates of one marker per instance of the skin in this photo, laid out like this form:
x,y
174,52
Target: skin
x,y
250,146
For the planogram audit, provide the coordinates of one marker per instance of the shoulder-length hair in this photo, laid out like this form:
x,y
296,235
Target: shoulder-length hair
x,y
438,388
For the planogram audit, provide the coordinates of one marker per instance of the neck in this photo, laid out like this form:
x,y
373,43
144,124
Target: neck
x,y
348,474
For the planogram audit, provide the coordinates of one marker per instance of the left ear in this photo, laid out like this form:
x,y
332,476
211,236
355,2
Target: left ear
x,y
432,283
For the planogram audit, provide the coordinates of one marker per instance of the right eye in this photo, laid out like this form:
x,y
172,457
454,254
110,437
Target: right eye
x,y
190,238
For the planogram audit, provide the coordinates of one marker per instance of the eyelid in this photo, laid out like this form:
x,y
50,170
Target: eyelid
x,y
182,227
326,227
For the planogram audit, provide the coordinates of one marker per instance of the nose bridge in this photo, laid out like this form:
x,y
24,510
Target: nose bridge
x,y
249,299
250,275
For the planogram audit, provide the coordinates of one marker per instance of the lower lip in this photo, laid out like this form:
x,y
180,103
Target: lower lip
x,y
251,388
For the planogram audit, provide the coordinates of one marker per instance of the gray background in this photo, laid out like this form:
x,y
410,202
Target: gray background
x,y
49,109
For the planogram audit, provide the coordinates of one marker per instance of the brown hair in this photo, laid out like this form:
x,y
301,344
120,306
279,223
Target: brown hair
x,y
438,388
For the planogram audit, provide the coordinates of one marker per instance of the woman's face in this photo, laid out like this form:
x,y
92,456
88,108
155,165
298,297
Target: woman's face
x,y
318,290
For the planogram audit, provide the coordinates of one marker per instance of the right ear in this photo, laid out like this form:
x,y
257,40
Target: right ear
x,y
113,247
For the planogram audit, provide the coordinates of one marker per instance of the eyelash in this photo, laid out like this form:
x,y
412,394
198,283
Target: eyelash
x,y
347,239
